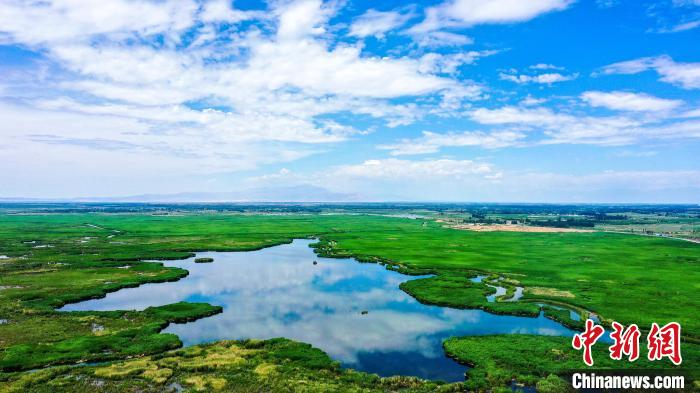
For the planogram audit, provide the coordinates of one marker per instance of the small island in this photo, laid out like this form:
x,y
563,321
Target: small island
x,y
203,260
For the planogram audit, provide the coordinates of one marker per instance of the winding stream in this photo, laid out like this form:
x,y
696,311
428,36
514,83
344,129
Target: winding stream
x,y
353,311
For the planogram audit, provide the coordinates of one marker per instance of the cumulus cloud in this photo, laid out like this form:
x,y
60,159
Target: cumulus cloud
x,y
625,101
184,77
685,75
475,12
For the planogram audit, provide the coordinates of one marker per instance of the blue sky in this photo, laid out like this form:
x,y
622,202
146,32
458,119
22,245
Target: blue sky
x,y
456,100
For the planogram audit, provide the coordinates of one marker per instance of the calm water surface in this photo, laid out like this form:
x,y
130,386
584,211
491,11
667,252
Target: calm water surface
x,y
279,292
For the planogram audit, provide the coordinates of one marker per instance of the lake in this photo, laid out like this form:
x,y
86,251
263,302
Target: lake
x,y
353,311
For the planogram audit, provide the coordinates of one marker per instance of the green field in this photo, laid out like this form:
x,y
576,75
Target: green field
x,y
53,259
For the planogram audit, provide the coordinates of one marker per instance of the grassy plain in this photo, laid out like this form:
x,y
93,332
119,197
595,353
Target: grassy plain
x,y
53,259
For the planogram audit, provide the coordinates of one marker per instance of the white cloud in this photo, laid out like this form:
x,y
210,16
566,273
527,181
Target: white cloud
x,y
514,115
685,75
69,20
546,75
674,20
221,11
545,66
625,101
529,125
636,154
392,178
182,139
685,26
302,18
611,186
561,127
629,181
292,58
691,113
547,78
393,168
343,71
474,12
263,91
432,142
450,63
437,39
154,90
69,153
377,23
464,180
532,101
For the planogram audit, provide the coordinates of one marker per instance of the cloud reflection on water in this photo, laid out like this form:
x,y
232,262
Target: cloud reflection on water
x,y
278,292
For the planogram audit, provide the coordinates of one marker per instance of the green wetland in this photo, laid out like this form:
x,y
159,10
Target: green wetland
x,y
129,340
354,312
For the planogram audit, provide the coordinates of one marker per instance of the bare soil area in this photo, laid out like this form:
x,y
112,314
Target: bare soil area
x,y
513,228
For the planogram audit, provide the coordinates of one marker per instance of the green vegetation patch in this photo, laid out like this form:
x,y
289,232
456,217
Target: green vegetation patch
x,y
204,260
140,337
277,365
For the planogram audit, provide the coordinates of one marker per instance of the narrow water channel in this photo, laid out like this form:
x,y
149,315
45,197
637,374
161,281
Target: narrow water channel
x,y
353,311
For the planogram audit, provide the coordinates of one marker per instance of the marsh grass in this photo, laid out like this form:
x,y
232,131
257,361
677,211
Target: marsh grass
x,y
277,365
630,279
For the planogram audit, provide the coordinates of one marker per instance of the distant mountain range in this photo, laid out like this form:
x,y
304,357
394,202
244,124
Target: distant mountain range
x,y
299,193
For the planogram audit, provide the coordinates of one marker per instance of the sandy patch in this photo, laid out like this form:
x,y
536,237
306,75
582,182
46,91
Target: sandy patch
x,y
10,287
542,291
513,228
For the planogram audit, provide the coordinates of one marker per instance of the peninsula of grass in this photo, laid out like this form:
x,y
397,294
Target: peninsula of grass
x,y
460,292
563,316
203,260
